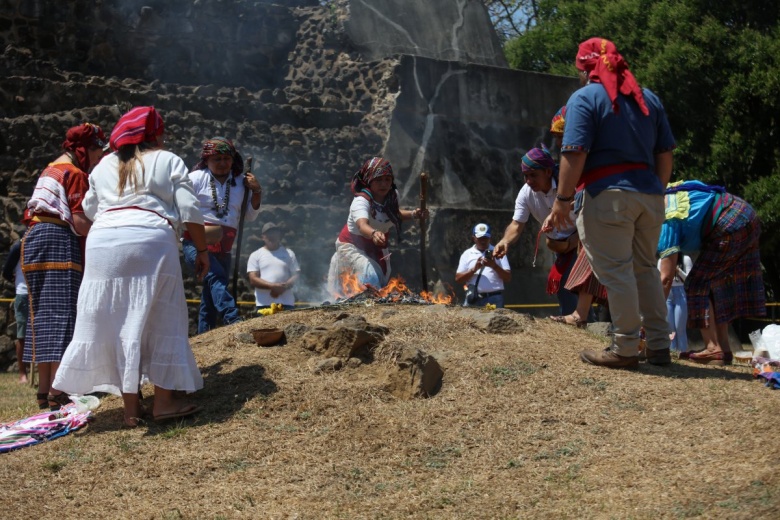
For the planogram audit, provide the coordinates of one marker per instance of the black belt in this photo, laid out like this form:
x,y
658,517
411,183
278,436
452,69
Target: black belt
x,y
487,294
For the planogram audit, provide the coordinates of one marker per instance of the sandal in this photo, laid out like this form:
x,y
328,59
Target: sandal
x,y
57,401
43,401
570,320
708,357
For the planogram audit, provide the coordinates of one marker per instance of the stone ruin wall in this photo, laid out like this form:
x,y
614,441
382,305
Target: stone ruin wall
x,y
309,89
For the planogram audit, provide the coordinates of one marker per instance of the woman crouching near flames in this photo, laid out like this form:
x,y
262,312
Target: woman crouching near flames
x,y
362,246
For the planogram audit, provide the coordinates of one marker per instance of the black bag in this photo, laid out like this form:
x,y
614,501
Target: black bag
x,y
471,290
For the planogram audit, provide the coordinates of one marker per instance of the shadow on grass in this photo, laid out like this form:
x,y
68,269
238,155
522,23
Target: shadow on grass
x,y
689,371
222,396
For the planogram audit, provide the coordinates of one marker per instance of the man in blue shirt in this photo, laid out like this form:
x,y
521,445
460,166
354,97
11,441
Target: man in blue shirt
x,y
617,158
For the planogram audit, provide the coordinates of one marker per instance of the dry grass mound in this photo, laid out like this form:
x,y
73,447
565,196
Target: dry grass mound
x,y
520,428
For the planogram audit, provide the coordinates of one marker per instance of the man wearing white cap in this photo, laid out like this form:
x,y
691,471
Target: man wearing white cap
x,y
273,270
483,274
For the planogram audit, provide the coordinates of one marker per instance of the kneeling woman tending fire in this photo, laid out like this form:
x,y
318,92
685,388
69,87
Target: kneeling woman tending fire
x,y
362,256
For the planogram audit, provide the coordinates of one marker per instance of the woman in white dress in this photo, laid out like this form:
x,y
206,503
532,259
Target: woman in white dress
x,y
362,246
131,322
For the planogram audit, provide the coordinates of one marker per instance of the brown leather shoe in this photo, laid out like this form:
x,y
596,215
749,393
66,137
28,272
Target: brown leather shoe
x,y
659,357
607,358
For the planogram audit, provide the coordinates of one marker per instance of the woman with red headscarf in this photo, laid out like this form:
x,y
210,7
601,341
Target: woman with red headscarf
x,y
52,254
132,324
362,245
617,158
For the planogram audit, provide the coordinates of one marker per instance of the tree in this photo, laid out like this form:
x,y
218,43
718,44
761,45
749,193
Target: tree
x,y
715,65
511,18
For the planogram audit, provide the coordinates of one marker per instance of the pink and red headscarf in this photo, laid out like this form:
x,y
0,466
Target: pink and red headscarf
x,y
221,146
604,64
80,139
139,125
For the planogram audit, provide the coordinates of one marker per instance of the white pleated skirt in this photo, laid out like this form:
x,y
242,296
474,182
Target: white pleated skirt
x,y
131,321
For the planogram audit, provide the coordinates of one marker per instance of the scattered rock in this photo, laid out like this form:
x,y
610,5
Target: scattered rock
x,y
319,365
294,331
417,374
495,322
244,337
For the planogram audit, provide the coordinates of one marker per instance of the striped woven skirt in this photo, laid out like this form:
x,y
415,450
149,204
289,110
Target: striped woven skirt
x,y
52,265
728,269
582,279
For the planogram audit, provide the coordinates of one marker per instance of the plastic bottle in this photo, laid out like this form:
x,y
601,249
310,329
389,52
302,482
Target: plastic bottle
x,y
85,403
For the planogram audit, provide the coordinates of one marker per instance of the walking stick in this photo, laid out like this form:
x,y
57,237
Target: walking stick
x,y
241,230
423,197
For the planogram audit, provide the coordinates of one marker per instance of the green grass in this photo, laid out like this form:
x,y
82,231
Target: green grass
x,y
17,400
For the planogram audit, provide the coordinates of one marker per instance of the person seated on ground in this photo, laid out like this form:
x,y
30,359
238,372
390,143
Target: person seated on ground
x,y
273,270
535,199
12,271
677,305
484,274
362,247
725,282
131,324
220,185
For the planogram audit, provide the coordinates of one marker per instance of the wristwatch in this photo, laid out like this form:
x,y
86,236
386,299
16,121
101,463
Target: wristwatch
x,y
564,199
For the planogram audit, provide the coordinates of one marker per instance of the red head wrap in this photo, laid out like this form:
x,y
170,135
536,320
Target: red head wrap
x,y
139,125
221,146
604,64
80,139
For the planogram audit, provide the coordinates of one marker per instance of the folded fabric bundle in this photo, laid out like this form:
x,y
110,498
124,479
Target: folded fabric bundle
x,y
42,427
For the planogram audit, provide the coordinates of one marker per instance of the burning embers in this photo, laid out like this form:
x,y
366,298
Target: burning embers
x,y
396,291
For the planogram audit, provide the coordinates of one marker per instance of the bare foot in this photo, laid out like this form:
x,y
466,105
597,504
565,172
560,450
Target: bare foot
x,y
23,379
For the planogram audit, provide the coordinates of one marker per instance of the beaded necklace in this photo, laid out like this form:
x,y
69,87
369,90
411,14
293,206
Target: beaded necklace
x,y
220,209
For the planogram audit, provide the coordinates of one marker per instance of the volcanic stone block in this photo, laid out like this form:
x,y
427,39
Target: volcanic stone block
x,y
494,322
417,374
339,342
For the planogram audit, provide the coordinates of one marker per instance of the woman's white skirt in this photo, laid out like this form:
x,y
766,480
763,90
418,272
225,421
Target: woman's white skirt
x,y
131,320
352,261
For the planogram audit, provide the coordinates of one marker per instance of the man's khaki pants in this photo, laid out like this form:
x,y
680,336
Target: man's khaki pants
x,y
620,231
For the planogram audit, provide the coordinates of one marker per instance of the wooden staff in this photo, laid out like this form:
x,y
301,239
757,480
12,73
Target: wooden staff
x,y
423,198
244,202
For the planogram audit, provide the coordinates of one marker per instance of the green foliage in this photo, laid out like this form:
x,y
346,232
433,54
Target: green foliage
x,y
715,65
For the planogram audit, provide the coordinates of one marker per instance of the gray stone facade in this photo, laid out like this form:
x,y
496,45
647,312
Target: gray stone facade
x,y
308,89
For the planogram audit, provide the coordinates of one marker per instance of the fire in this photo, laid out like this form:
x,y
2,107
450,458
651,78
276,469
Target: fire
x,y
395,289
436,298
350,284
394,285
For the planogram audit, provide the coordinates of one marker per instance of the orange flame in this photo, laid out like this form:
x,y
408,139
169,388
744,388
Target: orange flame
x,y
436,298
395,285
350,285
395,289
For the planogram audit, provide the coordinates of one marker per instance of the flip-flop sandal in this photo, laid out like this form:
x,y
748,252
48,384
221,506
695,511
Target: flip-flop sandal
x,y
184,411
574,323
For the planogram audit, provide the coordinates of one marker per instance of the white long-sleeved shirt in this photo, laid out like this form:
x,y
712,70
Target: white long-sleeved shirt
x,y
164,188
201,182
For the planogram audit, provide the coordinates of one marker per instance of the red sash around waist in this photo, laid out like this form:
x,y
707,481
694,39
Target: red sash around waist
x,y
601,172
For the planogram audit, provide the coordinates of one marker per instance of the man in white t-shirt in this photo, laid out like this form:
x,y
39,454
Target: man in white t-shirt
x,y
535,200
273,270
483,274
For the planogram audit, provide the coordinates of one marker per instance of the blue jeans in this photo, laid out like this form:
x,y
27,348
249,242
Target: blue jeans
x,y
214,298
495,299
677,316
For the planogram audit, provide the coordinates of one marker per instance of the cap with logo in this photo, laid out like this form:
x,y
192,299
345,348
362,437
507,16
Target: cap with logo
x,y
481,230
